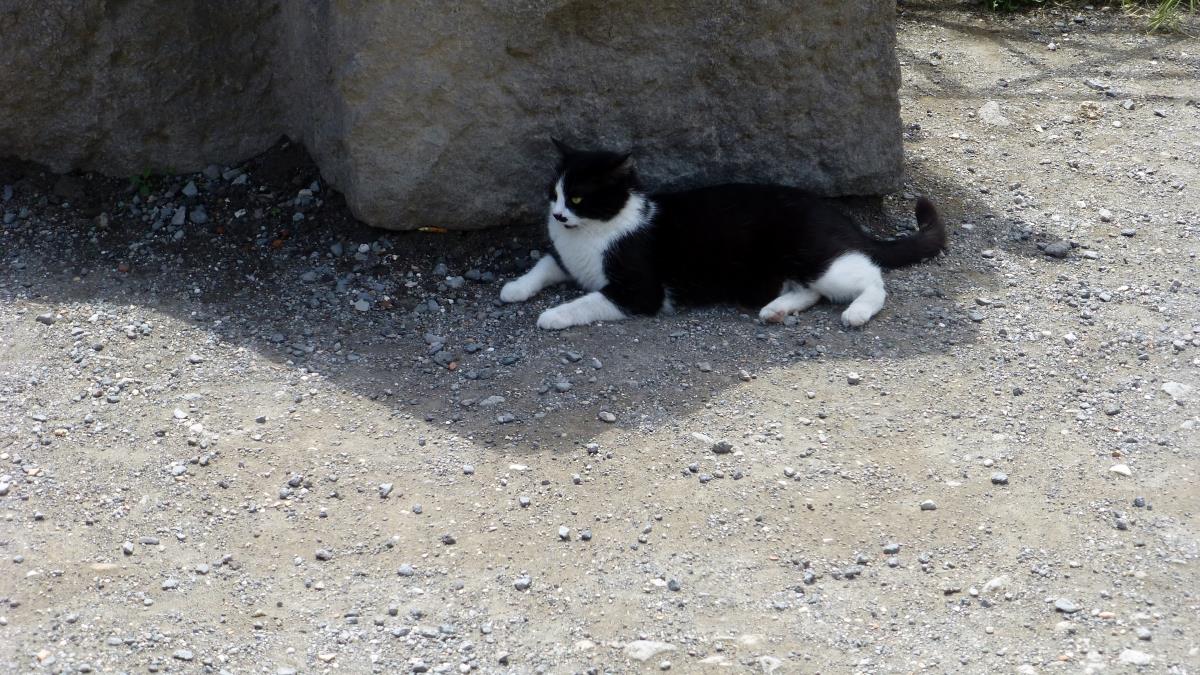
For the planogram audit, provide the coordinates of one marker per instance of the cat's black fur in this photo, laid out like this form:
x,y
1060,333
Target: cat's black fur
x,y
734,243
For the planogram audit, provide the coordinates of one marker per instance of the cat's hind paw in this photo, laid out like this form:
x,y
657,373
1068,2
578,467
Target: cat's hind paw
x,y
855,317
557,318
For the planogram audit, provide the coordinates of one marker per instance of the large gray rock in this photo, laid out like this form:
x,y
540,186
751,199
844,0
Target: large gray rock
x,y
122,87
432,113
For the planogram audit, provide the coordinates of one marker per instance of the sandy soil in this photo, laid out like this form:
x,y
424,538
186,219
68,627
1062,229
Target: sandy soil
x,y
212,460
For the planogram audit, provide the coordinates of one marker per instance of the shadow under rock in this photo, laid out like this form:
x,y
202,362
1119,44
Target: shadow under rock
x,y
435,345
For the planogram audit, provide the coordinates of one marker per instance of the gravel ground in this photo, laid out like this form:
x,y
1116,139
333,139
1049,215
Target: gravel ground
x,y
242,433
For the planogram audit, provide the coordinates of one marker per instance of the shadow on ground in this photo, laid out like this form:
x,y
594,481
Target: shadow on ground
x,y
278,289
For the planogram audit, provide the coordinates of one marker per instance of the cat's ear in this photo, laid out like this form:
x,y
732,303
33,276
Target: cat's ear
x,y
563,149
624,164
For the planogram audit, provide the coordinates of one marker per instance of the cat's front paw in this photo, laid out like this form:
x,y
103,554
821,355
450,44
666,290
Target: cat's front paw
x,y
771,314
556,318
515,291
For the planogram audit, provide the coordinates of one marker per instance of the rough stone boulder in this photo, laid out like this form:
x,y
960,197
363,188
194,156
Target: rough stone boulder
x,y
125,87
433,113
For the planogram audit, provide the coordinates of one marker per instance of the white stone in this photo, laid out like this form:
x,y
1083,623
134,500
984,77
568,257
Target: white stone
x,y
769,664
644,650
1178,391
750,640
990,114
1135,657
997,584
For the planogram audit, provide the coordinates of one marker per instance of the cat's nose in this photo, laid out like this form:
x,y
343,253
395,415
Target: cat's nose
x,y
560,217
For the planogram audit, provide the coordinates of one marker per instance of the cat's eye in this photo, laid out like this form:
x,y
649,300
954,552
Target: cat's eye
x,y
576,200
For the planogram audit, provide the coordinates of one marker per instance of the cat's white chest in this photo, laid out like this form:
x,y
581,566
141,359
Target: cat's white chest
x,y
582,249
582,253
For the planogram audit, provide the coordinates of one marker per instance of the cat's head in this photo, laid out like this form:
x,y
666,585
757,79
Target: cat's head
x,y
590,188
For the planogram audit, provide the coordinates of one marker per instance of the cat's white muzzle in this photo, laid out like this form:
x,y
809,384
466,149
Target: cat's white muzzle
x,y
567,220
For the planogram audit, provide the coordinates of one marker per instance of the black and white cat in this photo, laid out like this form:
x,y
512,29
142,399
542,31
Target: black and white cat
x,y
767,246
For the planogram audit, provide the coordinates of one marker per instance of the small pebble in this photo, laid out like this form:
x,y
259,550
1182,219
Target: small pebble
x,y
1058,249
1066,606
1135,657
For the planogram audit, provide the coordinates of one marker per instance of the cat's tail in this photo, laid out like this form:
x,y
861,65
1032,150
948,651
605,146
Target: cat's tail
x,y
929,240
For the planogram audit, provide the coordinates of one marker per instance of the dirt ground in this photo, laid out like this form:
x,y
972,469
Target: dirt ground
x,y
256,441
